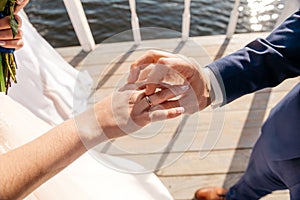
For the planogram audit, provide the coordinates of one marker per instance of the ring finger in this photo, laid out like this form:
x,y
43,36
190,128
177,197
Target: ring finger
x,y
163,95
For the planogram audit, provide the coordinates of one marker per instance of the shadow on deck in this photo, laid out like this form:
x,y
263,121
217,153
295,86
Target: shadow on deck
x,y
109,65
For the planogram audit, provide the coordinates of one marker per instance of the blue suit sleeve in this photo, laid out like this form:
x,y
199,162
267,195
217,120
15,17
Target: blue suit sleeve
x,y
262,63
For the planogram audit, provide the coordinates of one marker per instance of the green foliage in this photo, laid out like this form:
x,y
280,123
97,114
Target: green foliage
x,y
2,5
13,22
14,25
7,60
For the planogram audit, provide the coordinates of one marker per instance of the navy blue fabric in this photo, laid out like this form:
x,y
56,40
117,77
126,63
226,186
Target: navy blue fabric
x,y
266,63
6,50
259,178
262,63
295,192
282,128
275,161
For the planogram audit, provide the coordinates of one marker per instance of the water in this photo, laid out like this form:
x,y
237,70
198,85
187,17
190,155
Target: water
x,y
109,17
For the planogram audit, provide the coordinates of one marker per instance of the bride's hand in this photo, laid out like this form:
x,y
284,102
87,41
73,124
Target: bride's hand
x,y
20,5
127,110
6,37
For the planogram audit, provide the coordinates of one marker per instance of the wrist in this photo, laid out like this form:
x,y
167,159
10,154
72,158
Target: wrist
x,y
88,128
203,87
216,94
107,117
210,89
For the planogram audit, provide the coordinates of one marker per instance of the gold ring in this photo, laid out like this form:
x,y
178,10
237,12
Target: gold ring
x,y
149,101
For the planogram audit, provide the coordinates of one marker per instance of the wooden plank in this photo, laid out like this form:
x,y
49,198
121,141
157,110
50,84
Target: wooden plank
x,y
278,195
67,52
183,187
243,119
111,53
121,47
108,81
216,162
214,45
287,85
216,40
103,56
162,136
191,163
120,68
235,124
112,59
236,39
243,103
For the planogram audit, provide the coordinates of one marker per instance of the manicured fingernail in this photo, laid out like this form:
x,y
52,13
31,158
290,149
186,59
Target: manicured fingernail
x,y
180,110
184,87
20,1
2,43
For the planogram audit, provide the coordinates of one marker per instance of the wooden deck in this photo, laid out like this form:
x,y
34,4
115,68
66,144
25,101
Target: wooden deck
x,y
243,117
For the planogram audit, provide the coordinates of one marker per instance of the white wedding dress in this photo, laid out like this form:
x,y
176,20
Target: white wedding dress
x,y
42,98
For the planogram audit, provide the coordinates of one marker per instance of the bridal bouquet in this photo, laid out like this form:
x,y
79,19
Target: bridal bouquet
x,y
7,59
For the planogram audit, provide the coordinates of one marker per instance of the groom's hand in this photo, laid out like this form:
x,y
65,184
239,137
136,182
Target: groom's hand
x,y
156,67
6,37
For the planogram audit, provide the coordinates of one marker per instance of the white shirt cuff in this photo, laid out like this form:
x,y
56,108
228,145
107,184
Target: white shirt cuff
x,y
217,94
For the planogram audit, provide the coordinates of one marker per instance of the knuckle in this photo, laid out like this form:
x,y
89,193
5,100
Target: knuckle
x,y
19,35
133,66
20,32
150,52
162,61
20,43
171,115
19,20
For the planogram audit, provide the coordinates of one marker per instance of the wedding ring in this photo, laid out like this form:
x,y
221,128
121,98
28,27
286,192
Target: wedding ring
x,y
149,101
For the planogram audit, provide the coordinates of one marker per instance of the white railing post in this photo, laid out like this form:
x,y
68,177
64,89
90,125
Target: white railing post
x,y
135,23
186,17
80,24
233,19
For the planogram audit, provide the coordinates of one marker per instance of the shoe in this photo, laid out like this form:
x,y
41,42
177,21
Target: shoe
x,y
210,193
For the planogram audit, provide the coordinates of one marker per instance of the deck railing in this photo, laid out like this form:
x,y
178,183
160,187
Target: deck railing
x,y
80,24
86,40
85,37
135,25
186,18
233,20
